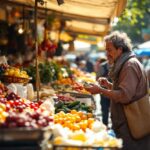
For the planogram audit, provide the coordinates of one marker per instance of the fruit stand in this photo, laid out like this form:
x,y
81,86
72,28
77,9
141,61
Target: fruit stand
x,y
61,113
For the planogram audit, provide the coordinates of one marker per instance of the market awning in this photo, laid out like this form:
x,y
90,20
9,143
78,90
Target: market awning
x,y
91,17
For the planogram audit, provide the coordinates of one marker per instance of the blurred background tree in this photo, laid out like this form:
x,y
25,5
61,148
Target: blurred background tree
x,y
135,21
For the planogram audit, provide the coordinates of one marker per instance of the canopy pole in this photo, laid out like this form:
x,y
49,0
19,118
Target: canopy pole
x,y
36,49
36,42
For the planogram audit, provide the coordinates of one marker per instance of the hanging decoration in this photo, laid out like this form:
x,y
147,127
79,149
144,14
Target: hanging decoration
x,y
47,44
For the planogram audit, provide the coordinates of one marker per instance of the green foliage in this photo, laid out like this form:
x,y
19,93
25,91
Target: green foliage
x,y
49,71
134,19
31,71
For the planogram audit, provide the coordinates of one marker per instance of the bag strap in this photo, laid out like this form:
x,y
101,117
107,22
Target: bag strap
x,y
124,64
147,83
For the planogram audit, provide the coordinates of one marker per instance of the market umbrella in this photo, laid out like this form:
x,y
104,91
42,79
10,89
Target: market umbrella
x,y
142,52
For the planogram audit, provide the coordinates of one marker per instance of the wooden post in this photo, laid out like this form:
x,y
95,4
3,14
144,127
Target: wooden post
x,y
36,49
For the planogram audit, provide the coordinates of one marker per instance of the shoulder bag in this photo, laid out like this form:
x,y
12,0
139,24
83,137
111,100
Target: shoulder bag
x,y
138,116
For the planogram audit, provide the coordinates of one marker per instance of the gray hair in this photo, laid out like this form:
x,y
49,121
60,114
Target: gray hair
x,y
119,39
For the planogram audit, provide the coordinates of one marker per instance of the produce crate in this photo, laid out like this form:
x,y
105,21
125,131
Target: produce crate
x,y
73,147
83,98
21,139
21,134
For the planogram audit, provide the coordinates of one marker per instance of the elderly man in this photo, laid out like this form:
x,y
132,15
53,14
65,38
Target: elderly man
x,y
129,84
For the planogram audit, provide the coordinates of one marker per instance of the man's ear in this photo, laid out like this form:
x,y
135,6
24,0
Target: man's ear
x,y
120,50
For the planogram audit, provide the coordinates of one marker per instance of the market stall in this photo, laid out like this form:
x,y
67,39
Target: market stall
x,y
61,114
57,113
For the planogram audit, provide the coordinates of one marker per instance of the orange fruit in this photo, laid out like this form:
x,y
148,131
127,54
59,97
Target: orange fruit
x,y
91,120
89,115
84,117
73,111
80,113
75,127
83,125
78,119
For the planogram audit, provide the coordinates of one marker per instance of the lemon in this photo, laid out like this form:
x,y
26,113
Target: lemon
x,y
79,137
11,72
58,140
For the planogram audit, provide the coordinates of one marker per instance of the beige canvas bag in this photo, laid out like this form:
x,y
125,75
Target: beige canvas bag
x,y
138,117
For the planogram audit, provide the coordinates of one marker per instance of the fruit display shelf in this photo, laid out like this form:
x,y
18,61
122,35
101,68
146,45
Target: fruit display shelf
x,y
21,138
75,147
21,134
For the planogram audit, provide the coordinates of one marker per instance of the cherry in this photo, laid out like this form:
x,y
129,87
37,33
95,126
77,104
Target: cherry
x,y
3,100
35,115
40,102
8,106
21,122
42,122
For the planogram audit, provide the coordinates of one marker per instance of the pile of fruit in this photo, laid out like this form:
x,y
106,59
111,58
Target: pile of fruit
x,y
12,71
10,74
17,112
86,132
69,85
65,81
75,120
15,72
26,119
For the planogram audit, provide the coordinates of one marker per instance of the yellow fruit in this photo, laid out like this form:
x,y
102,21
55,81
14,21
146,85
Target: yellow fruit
x,y
58,140
3,116
76,127
3,106
73,111
17,73
16,69
79,137
24,72
78,119
11,72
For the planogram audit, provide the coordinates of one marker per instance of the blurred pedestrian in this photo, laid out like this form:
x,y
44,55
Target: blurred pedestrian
x,y
89,66
102,71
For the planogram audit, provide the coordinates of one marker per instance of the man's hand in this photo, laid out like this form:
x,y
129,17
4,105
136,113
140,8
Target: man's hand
x,y
104,83
93,89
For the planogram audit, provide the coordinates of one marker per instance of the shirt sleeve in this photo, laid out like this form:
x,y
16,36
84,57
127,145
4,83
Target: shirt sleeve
x,y
128,82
